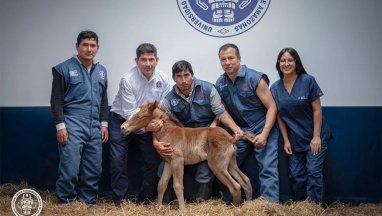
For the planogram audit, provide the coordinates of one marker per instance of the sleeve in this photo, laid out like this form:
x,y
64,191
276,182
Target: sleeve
x,y
314,90
219,86
57,99
129,101
164,104
104,114
167,88
216,103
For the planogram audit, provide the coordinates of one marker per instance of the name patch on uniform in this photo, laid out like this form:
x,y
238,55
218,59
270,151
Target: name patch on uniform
x,y
302,98
221,86
73,73
102,74
174,102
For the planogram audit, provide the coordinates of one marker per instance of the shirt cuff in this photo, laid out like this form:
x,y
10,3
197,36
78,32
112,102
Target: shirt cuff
x,y
104,124
60,126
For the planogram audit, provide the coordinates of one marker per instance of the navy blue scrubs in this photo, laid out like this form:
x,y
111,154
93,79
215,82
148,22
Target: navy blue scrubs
x,y
296,111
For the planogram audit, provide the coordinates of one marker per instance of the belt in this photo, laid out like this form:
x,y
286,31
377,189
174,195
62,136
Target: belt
x,y
118,116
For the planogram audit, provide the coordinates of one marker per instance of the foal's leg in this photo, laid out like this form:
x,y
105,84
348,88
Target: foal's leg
x,y
220,169
163,182
177,166
243,180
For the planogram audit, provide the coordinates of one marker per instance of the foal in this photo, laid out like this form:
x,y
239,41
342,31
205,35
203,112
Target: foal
x,y
191,146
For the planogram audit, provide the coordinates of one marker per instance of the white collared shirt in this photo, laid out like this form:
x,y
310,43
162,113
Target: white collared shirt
x,y
135,90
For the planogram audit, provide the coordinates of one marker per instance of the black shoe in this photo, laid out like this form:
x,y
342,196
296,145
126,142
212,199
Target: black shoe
x,y
118,202
204,191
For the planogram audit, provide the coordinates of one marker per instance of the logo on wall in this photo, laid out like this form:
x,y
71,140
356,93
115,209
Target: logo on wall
x,y
26,202
223,18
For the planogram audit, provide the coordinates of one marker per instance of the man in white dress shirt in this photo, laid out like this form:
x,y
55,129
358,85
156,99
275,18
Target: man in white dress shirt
x,y
142,84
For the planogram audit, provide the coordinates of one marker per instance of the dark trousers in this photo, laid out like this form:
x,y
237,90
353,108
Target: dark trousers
x,y
119,147
306,175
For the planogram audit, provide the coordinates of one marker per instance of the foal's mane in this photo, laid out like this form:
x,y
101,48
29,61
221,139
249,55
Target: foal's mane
x,y
171,117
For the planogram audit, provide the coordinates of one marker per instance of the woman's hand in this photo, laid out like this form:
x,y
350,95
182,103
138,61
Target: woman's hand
x,y
315,145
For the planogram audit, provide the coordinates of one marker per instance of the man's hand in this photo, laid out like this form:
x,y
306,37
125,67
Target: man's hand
x,y
104,134
238,134
154,125
62,136
260,141
163,148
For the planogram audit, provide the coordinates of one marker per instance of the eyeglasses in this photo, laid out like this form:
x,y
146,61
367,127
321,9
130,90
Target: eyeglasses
x,y
290,61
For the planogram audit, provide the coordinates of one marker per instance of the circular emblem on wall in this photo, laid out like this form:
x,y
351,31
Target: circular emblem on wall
x,y
26,202
223,18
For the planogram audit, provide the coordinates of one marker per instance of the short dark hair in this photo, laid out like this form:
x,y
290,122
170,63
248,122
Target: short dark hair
x,y
146,48
299,67
180,66
230,45
86,35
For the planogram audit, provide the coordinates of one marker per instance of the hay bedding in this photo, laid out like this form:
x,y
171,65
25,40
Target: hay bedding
x,y
211,208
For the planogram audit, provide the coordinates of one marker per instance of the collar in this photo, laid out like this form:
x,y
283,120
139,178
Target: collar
x,y
93,63
143,76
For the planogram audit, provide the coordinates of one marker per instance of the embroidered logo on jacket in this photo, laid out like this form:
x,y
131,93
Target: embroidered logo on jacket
x,y
158,84
245,87
199,94
102,74
73,73
222,86
174,102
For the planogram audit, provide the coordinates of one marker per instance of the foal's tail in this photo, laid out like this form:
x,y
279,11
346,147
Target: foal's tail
x,y
247,135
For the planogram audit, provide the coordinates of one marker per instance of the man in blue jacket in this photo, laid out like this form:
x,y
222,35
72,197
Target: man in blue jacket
x,y
80,111
248,99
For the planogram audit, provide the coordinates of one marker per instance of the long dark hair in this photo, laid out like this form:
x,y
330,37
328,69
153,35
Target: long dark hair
x,y
299,67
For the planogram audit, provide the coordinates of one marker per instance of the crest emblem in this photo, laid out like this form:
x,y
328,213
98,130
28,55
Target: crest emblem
x,y
223,18
26,202
174,102
158,84
245,87
102,74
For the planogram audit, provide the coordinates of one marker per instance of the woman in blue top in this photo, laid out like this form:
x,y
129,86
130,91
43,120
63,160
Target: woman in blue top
x,y
306,135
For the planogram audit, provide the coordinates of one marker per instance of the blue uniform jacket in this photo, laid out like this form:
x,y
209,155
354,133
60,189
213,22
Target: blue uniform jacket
x,y
199,114
241,100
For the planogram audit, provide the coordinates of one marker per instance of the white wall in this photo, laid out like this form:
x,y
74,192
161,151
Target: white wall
x,y
339,42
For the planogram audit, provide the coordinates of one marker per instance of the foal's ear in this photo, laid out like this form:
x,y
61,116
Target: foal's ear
x,y
153,105
156,103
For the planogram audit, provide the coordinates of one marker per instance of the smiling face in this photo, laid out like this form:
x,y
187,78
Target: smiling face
x,y
287,64
230,61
